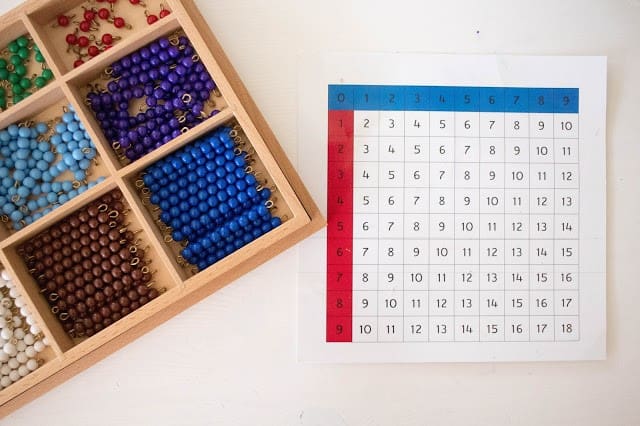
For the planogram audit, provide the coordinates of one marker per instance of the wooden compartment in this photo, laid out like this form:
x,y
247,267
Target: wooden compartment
x,y
255,166
161,277
45,356
11,32
45,23
49,110
182,286
98,80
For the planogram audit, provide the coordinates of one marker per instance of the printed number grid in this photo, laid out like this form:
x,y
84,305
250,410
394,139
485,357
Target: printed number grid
x,y
453,214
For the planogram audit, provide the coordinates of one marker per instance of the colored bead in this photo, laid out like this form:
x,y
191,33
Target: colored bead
x,y
151,19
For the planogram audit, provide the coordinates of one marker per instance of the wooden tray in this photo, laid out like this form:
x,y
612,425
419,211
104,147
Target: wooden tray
x,y
66,356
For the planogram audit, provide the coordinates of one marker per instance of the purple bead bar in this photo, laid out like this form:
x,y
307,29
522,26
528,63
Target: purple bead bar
x,y
174,85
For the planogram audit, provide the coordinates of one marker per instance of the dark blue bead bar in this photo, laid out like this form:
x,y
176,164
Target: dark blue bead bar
x,y
208,198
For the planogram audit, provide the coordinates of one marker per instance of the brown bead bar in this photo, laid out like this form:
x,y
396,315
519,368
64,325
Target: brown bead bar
x,y
94,276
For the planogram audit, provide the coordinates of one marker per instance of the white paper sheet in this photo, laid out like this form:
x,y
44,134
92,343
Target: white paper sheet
x,y
484,321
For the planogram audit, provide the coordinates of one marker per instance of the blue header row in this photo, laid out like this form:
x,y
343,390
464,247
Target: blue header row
x,y
452,98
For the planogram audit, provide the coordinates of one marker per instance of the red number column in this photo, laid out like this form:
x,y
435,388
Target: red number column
x,y
340,226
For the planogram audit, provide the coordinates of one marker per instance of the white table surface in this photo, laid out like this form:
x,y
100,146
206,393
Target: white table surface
x,y
231,359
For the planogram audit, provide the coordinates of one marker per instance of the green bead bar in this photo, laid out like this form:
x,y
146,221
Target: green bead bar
x,y
14,70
